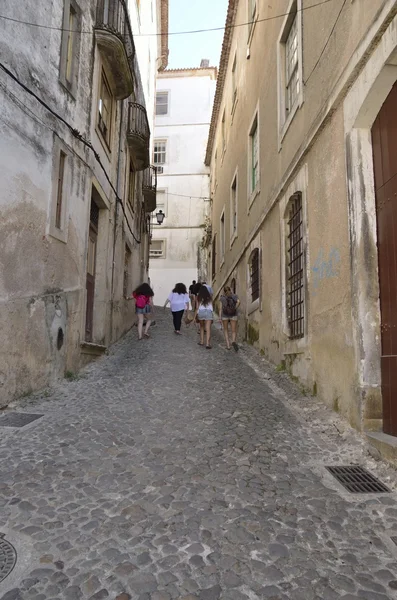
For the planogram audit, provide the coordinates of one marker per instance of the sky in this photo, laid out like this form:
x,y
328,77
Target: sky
x,y
188,50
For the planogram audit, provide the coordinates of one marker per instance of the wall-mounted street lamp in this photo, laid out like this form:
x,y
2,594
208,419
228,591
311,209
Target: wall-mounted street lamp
x,y
160,217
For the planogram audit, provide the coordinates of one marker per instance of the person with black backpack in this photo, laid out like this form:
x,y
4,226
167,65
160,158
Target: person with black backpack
x,y
228,308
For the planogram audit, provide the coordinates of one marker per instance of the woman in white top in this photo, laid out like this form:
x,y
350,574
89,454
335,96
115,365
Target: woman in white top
x,y
179,300
205,315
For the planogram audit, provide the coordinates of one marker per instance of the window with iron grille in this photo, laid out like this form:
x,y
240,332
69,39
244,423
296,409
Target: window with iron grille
x,y
213,257
233,285
59,205
295,269
254,156
254,275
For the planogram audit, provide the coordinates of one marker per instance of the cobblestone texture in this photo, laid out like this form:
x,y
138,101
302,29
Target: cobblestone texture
x,y
167,471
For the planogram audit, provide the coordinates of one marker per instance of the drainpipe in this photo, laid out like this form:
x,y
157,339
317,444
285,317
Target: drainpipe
x,y
116,212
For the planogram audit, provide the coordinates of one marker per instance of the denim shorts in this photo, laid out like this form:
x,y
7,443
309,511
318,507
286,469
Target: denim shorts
x,y
205,314
143,311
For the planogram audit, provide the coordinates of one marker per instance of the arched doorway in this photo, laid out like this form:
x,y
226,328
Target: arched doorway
x,y
384,144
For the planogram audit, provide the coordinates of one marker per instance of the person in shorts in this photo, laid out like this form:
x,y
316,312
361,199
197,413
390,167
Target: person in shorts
x,y
205,315
143,296
228,308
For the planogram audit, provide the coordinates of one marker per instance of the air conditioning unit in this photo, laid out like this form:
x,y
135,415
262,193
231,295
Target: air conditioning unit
x,y
159,170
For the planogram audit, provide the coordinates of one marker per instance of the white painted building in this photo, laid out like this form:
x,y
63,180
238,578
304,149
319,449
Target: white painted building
x,y
183,113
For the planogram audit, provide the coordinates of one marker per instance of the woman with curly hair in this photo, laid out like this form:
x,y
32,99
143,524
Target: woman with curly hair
x,y
179,300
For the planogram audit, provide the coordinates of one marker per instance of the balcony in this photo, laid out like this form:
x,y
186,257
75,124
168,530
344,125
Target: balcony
x,y
149,187
138,136
114,38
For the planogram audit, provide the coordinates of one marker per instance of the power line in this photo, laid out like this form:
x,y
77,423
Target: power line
x,y
326,43
75,132
191,32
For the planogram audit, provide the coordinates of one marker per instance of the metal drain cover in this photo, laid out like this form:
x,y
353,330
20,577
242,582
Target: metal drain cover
x,y
8,557
358,480
15,419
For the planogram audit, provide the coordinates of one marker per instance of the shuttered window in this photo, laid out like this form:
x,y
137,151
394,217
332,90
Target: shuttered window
x,y
254,275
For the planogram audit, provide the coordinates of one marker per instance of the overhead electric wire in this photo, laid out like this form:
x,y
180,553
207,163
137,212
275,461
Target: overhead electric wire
x,y
75,132
326,43
191,32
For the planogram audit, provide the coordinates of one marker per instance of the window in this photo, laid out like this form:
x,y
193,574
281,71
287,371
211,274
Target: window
x,y
234,81
105,107
254,275
251,15
222,237
215,170
295,269
223,132
59,206
233,285
58,222
254,156
131,186
157,249
213,257
160,152
127,267
290,65
162,103
233,208
70,45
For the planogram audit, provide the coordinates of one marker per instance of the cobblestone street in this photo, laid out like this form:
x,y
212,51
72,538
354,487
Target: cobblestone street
x,y
167,471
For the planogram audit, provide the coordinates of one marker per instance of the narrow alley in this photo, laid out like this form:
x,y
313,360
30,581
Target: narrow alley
x,y
169,471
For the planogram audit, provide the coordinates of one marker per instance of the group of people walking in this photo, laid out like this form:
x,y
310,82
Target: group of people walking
x,y
202,311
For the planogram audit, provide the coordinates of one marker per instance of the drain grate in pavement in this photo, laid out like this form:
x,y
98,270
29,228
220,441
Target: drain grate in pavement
x,y
358,480
15,419
8,557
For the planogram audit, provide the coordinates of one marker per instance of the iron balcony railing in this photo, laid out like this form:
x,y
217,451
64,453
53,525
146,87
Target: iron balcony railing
x,y
138,125
112,16
149,183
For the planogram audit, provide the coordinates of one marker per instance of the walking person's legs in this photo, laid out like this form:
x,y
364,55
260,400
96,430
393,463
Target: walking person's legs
x,y
178,320
225,324
208,333
233,324
202,331
148,323
140,325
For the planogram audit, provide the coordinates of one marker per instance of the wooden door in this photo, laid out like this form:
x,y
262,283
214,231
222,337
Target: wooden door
x,y
91,267
384,140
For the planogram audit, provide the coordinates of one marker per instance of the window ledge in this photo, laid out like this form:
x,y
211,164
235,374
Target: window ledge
x,y
251,33
253,306
59,234
253,195
233,239
222,263
234,107
288,121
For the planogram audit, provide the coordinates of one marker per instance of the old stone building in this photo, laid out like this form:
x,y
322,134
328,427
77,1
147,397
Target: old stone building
x,y
76,190
183,113
302,150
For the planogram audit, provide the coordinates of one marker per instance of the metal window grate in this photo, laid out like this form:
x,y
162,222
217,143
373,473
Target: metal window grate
x,y
295,295
358,480
94,214
254,272
15,419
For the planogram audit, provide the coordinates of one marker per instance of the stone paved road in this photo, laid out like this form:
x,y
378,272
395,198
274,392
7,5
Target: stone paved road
x,y
169,471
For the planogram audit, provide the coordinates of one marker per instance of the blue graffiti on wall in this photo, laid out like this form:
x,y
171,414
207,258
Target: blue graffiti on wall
x,y
325,267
